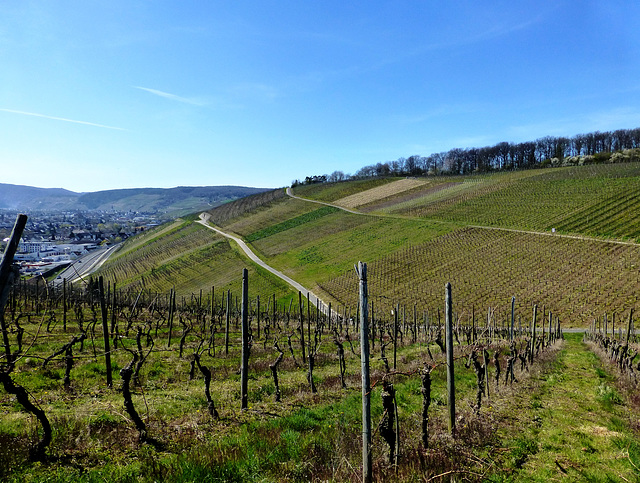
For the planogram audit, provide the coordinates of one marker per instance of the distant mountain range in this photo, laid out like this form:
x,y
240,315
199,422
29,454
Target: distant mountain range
x,y
180,200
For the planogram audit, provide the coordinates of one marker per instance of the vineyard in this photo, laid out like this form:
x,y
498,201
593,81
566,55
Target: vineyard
x,y
597,200
174,407
182,361
331,192
173,394
576,280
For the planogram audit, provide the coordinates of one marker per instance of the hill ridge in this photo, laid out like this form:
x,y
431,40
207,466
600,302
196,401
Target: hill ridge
x,y
180,199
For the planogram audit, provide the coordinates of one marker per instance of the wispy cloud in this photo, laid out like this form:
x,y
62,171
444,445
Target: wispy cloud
x,y
172,97
55,118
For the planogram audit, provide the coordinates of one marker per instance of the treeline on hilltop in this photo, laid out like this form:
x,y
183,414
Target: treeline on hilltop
x,y
618,146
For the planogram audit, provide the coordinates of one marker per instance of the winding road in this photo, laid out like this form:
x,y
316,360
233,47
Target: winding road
x,y
313,298
85,265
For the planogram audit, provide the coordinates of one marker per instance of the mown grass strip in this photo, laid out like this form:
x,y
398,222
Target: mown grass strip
x,y
291,223
568,429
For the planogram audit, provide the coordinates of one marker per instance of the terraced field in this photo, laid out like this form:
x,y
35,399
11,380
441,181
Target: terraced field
x,y
577,280
381,192
597,200
414,239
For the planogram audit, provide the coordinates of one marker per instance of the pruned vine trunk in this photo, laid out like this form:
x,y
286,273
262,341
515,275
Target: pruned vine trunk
x,y
207,386
425,376
37,453
274,370
126,373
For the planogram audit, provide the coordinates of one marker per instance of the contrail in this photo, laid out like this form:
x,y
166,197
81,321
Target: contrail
x,y
172,97
61,119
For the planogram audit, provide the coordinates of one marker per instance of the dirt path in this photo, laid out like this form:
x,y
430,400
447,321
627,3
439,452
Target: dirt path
x,y
572,425
313,298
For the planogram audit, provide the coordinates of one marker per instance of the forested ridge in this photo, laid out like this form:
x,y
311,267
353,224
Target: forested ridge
x,y
622,145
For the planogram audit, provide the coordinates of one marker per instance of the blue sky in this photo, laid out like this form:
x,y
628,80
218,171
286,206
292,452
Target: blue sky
x,y
119,94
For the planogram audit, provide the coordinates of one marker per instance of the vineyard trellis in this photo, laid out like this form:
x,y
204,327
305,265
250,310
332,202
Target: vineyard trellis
x,y
621,349
109,328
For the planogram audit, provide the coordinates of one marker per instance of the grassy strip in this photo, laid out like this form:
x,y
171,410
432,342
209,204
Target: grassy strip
x,y
291,223
572,426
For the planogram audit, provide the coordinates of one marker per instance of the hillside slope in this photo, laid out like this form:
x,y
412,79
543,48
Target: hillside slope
x,y
18,197
177,201
490,236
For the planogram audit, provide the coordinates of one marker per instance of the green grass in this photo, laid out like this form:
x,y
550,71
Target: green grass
x,y
290,223
568,435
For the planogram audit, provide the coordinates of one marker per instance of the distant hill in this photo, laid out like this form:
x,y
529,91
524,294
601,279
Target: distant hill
x,y
18,197
183,199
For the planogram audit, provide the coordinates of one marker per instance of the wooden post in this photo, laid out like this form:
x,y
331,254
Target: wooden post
x,y
64,305
304,357
213,302
258,315
533,333
228,316
395,335
373,327
244,368
273,319
367,466
7,275
172,295
513,316
309,324
630,326
613,325
105,331
113,309
451,390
